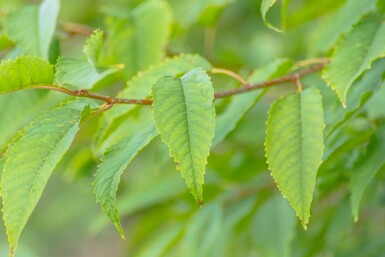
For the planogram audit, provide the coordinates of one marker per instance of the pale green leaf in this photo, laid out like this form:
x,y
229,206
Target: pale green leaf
x,y
202,230
367,42
114,162
151,194
241,104
339,23
24,72
265,8
80,74
366,168
184,114
32,27
360,93
138,39
161,243
140,87
294,147
30,162
206,12
274,228
93,47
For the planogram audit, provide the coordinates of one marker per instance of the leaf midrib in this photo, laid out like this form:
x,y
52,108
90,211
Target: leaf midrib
x,y
189,137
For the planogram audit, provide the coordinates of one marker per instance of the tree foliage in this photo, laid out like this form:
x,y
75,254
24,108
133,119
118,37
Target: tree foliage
x,y
266,111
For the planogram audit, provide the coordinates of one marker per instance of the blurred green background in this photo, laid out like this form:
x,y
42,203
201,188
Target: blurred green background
x,y
243,212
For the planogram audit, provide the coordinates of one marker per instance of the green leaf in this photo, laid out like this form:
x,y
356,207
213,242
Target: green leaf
x,y
361,92
241,104
161,243
138,39
381,6
184,114
367,42
114,162
202,230
93,47
30,162
266,6
140,87
366,168
338,23
32,27
294,147
274,228
80,74
24,72
5,42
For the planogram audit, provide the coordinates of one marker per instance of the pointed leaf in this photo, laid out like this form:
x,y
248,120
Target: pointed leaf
x,y
24,72
114,162
32,27
140,87
274,228
185,117
294,147
29,163
367,42
366,168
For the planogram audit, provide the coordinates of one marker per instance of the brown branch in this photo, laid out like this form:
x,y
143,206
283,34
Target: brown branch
x,y
76,29
231,74
288,78
110,101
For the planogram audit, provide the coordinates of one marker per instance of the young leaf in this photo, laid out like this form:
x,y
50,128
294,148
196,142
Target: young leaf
x,y
367,42
294,147
114,162
32,27
274,228
365,169
265,7
138,39
80,74
93,47
184,114
24,72
338,24
29,163
140,87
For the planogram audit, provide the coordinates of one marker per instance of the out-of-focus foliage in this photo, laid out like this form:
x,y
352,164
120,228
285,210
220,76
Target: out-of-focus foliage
x,y
129,45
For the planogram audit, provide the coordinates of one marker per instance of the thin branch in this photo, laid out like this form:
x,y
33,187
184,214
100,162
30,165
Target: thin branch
x,y
110,101
231,74
269,83
298,82
306,62
76,29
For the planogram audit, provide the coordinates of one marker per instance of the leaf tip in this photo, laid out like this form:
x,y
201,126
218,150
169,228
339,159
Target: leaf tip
x,y
200,203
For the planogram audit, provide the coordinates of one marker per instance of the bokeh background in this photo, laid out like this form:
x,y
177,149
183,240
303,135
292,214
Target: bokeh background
x,y
243,214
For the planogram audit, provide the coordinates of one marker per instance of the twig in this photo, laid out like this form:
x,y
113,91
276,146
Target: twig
x,y
76,29
231,74
115,100
269,83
